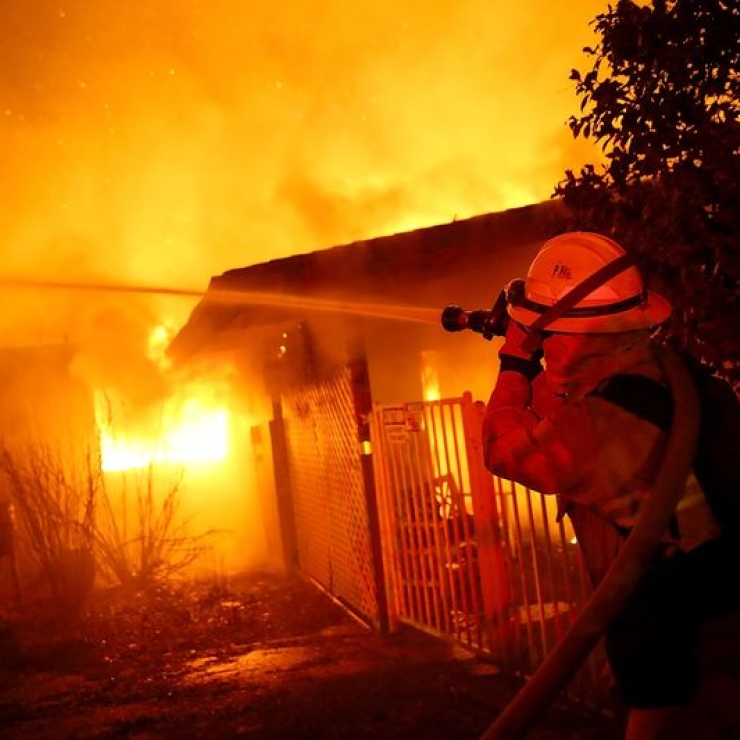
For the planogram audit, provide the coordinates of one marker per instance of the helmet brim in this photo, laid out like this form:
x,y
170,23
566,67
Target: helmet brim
x,y
652,312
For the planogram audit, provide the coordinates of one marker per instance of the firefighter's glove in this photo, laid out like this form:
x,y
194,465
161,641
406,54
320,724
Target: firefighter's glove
x,y
514,356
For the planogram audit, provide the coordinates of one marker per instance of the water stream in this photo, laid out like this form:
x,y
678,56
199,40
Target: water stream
x,y
254,298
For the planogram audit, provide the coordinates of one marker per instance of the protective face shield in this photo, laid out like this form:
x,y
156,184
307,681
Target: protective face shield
x,y
620,304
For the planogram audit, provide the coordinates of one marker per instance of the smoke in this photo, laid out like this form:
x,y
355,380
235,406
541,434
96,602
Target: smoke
x,y
167,141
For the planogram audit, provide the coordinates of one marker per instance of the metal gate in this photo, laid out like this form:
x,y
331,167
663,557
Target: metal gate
x,y
468,555
328,491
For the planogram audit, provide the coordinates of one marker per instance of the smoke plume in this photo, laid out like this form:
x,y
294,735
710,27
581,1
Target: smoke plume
x,y
167,141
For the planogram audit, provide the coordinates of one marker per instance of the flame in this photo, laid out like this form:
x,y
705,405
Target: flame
x,y
159,340
192,432
192,425
430,376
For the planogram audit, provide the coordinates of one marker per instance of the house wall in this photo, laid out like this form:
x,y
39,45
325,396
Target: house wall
x,y
318,303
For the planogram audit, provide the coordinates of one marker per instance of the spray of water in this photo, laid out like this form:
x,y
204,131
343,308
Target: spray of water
x,y
253,298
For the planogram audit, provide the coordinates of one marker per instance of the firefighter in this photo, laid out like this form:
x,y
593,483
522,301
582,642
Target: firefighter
x,y
552,429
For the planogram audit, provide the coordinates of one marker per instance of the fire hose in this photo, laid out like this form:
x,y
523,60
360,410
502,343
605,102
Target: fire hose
x,y
619,583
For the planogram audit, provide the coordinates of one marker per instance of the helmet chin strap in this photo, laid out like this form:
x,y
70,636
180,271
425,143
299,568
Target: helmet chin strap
x,y
573,297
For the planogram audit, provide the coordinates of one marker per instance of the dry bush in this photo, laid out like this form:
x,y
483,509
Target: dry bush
x,y
141,537
75,522
53,491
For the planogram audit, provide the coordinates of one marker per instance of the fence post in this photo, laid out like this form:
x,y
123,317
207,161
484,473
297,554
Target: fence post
x,y
491,551
363,404
283,493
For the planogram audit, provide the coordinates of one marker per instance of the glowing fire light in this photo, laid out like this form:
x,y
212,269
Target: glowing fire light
x,y
192,426
430,376
159,339
194,433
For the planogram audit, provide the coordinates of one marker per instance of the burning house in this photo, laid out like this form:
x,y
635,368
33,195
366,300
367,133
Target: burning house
x,y
127,152
313,416
364,435
365,416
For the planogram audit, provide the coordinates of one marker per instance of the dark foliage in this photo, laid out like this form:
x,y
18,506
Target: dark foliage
x,y
661,100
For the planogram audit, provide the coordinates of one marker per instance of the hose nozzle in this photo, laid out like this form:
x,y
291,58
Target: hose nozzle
x,y
490,324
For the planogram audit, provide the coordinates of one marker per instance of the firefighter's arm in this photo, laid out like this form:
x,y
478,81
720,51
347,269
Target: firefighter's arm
x,y
547,454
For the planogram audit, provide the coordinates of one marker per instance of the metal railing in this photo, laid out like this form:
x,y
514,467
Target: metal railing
x,y
468,555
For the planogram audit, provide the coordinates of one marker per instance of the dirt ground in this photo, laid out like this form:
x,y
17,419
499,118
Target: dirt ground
x,y
258,657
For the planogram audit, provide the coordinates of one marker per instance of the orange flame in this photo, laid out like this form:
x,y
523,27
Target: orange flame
x,y
192,432
192,426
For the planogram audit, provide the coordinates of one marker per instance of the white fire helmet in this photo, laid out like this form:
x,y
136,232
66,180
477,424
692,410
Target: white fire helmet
x,y
620,304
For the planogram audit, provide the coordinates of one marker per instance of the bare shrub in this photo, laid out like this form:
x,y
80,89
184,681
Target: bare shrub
x,y
75,521
53,491
141,537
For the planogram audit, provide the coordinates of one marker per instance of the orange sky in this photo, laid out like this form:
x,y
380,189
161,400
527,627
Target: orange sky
x,y
167,141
